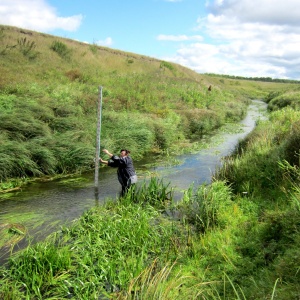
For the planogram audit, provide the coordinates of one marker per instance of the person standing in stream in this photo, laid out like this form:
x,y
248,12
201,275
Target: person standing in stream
x,y
126,172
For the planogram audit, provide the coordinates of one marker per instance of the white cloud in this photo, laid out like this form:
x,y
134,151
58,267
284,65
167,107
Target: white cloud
x,y
251,38
35,15
263,11
179,38
107,42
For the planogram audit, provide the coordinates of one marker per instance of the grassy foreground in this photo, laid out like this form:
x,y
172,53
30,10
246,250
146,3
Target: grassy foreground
x,y
237,238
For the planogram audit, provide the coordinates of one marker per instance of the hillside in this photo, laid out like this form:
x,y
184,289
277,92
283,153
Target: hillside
x,y
30,56
49,93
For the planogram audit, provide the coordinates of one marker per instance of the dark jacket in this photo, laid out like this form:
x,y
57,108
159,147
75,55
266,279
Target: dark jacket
x,y
125,168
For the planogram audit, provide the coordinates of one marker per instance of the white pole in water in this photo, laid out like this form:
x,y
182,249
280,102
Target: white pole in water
x,y
99,115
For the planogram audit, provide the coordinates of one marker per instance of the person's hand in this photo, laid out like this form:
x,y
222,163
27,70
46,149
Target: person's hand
x,y
105,151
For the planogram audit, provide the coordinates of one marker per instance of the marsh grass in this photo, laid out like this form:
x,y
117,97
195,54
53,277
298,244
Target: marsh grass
x,y
154,283
48,105
153,192
225,246
250,217
272,142
203,208
284,99
264,174
99,254
11,234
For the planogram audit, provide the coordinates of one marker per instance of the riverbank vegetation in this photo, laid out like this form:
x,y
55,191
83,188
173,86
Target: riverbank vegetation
x,y
237,238
49,95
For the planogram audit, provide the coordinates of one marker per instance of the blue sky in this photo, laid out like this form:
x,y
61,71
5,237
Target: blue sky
x,y
252,38
132,26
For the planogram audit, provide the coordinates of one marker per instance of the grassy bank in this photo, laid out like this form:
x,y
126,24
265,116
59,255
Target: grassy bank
x,y
49,94
237,238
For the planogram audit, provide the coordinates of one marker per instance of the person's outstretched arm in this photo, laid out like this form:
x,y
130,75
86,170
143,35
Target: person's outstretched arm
x,y
103,161
111,162
107,152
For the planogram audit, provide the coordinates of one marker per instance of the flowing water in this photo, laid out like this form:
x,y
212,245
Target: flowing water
x,y
43,207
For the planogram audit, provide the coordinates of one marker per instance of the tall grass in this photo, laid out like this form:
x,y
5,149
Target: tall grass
x,y
62,127
259,149
205,207
154,283
154,192
284,99
224,247
264,172
61,49
99,255
148,105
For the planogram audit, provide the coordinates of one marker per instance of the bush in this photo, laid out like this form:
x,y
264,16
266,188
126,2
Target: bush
x,y
61,49
205,208
288,99
27,48
167,65
200,122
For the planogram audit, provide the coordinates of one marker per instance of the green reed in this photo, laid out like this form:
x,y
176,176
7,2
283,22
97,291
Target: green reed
x,y
154,192
204,207
99,254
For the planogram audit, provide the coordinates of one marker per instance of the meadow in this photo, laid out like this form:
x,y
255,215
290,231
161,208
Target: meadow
x,y
237,238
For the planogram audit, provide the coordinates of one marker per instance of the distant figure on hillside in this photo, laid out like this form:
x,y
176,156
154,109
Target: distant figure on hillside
x,y
126,172
209,88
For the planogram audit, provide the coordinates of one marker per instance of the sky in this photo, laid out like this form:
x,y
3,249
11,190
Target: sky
x,y
250,38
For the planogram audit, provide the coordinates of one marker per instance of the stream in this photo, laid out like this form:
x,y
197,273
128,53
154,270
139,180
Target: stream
x,y
43,207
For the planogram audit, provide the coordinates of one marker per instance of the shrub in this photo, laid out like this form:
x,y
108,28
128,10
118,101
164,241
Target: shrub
x,y
291,99
200,122
205,208
167,65
74,74
61,49
27,48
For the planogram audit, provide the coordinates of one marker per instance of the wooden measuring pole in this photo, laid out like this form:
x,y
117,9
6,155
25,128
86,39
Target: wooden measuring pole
x,y
99,116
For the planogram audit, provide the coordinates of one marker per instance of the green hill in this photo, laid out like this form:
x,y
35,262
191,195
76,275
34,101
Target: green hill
x,y
49,93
